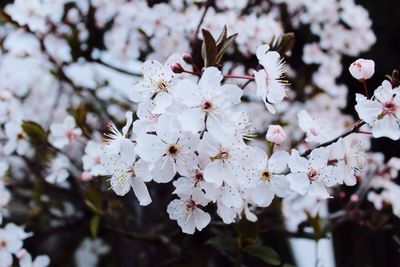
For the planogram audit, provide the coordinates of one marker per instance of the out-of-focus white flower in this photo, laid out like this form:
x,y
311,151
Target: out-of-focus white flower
x,y
362,69
25,260
317,130
89,252
62,134
92,158
58,171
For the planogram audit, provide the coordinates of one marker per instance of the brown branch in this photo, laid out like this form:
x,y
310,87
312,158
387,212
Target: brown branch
x,y
353,129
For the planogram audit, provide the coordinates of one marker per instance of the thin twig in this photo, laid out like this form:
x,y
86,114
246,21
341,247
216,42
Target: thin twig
x,y
354,129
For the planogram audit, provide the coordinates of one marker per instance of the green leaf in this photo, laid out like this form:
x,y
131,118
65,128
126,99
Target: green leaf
x,y
222,243
209,49
94,225
94,200
267,254
34,132
247,232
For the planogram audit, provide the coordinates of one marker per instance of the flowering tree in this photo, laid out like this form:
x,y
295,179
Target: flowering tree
x,y
195,107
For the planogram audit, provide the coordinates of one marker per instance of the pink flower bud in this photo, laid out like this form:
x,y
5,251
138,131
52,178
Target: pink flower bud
x,y
86,176
176,68
362,69
276,134
187,58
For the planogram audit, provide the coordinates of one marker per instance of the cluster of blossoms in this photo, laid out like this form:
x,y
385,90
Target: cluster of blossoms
x,y
191,129
201,130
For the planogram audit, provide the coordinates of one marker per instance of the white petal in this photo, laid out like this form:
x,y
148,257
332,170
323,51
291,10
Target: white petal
x,y
192,120
141,192
149,147
214,173
318,189
163,171
387,126
299,182
278,162
262,195
201,219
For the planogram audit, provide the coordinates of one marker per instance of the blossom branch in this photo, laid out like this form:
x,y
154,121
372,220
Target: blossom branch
x,y
354,129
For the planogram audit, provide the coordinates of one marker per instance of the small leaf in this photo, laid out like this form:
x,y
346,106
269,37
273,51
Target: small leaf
x,y
34,132
94,225
94,200
222,37
267,254
209,49
283,44
224,46
222,243
80,118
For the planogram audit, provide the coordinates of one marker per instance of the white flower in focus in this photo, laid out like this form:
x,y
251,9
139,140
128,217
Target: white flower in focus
x,y
275,134
157,84
362,69
311,176
58,171
128,173
382,112
270,85
186,211
267,178
207,103
228,159
171,150
62,134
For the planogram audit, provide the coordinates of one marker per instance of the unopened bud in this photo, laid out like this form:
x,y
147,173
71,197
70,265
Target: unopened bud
x,y
362,69
187,58
276,134
176,68
86,176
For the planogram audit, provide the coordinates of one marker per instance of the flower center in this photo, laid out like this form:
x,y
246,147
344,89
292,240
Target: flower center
x,y
162,85
70,135
198,176
266,175
207,106
190,204
389,108
312,174
173,150
3,244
